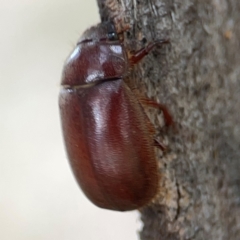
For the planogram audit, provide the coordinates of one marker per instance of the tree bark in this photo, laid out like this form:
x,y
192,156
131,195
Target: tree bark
x,y
197,76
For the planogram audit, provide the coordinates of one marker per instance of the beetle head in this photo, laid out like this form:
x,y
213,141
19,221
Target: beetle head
x,y
102,32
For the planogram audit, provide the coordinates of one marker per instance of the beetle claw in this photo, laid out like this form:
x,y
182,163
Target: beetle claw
x,y
160,145
140,54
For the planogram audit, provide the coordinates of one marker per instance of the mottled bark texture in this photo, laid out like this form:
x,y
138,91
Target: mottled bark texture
x,y
197,76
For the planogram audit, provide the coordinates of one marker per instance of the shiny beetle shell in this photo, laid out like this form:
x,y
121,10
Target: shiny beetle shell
x,y
108,139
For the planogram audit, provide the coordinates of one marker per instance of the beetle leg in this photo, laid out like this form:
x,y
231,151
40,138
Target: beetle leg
x,y
167,116
138,55
160,145
156,142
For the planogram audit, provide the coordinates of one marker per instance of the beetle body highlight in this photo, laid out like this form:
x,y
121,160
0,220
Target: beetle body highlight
x,y
108,138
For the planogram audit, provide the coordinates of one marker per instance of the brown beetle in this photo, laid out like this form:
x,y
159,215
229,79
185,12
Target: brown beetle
x,y
108,138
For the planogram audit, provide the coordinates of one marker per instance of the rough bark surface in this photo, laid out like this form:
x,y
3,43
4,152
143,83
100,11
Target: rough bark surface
x,y
197,76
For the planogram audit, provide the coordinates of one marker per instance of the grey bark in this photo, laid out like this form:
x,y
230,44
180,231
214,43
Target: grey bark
x,y
197,76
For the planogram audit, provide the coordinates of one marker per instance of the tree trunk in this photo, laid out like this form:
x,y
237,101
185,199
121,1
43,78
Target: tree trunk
x,y
197,76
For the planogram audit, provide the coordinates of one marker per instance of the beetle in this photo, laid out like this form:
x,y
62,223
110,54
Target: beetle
x,y
108,137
